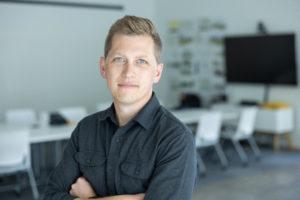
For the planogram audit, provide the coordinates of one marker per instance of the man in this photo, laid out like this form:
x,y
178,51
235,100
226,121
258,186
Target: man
x,y
135,149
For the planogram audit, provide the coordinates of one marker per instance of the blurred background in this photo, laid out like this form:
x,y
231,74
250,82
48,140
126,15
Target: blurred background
x,y
50,50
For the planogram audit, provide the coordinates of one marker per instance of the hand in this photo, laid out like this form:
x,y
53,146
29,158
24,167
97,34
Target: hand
x,y
140,196
82,188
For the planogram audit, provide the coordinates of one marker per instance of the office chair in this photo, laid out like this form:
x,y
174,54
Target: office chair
x,y
208,134
15,155
25,116
244,131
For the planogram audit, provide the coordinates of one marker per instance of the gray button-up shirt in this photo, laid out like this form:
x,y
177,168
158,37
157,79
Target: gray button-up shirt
x,y
154,153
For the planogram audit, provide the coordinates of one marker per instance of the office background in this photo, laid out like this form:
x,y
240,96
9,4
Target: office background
x,y
49,55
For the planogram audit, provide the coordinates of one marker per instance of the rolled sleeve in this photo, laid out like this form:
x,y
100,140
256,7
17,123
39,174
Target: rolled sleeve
x,y
175,174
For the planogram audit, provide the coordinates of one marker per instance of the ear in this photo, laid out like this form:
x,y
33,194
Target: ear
x,y
158,72
103,67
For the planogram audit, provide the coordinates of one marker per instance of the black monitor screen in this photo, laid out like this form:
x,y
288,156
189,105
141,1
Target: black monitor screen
x,y
268,59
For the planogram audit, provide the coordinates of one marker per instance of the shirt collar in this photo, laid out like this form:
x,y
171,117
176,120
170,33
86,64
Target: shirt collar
x,y
148,112
144,117
109,113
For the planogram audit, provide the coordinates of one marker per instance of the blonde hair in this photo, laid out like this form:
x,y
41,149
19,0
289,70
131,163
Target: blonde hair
x,y
132,25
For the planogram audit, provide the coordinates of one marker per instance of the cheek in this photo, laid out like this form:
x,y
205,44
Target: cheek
x,y
148,78
109,78
111,74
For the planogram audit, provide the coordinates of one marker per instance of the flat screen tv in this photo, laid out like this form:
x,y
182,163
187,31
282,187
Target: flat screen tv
x,y
262,59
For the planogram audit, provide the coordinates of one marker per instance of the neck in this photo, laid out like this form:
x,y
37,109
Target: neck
x,y
126,112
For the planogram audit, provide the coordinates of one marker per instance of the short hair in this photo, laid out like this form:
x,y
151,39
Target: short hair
x,y
132,25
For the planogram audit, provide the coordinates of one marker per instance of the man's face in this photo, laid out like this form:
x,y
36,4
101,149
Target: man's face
x,y
131,69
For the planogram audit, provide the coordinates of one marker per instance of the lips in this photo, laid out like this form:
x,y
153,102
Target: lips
x,y
127,85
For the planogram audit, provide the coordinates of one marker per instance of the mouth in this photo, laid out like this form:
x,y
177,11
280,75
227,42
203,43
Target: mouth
x,y
127,85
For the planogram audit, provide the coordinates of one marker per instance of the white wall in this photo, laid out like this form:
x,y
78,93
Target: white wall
x,y
49,55
241,16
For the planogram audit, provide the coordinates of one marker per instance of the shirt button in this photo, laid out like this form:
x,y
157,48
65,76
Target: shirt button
x,y
88,160
117,140
137,171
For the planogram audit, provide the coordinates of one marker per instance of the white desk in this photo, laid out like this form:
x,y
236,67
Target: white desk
x,y
44,134
50,133
192,115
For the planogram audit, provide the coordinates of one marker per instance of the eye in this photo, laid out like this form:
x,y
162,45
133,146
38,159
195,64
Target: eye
x,y
142,61
118,59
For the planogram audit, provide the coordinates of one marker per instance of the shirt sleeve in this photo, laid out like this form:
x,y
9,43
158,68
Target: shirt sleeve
x,y
65,174
174,176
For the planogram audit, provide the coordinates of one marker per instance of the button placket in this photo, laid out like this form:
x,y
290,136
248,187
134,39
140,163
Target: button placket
x,y
112,159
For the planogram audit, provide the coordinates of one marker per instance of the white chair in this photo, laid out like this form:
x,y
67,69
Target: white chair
x,y
208,134
15,155
25,116
73,114
103,105
244,131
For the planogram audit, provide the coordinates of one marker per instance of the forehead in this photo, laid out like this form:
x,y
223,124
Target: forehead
x,y
133,44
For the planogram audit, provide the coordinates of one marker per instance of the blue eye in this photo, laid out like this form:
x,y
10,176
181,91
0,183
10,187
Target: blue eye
x,y
141,61
118,59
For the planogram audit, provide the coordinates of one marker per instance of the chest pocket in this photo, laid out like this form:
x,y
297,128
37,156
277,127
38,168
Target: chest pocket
x,y
135,176
92,166
136,169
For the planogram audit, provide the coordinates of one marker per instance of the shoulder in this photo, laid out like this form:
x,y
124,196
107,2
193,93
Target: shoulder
x,y
87,130
90,119
171,126
94,118
169,120
88,125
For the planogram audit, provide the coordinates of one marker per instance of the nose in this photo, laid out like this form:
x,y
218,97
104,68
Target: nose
x,y
128,70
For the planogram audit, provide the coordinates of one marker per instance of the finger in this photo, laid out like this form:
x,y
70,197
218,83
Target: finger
x,y
73,187
141,196
76,180
71,192
81,179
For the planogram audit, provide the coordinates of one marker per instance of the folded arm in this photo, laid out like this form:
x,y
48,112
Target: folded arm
x,y
84,190
119,197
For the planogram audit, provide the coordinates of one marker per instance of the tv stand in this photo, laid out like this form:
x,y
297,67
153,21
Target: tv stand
x,y
266,93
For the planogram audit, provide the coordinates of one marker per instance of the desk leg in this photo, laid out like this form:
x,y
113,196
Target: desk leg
x,y
276,145
36,159
57,152
289,141
288,138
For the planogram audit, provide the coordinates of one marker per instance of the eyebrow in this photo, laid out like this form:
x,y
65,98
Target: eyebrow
x,y
138,56
143,56
117,54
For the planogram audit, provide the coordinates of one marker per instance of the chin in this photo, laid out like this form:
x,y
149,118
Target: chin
x,y
126,99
